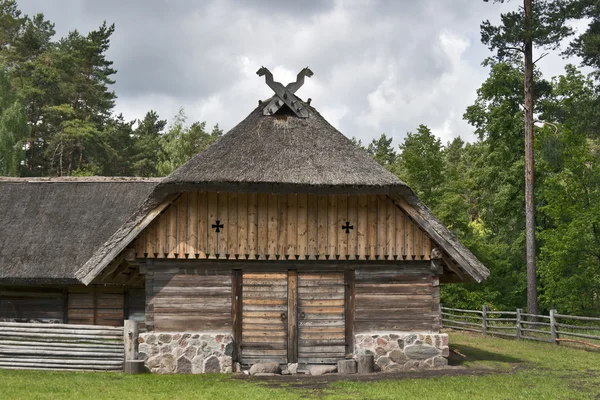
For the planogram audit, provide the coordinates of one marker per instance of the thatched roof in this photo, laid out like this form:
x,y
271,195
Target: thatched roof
x,y
284,153
50,227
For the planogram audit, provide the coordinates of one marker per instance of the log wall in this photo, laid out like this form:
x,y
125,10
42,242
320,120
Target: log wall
x,y
386,301
283,226
61,347
190,301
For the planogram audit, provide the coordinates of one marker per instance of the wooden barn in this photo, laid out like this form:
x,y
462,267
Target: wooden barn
x,y
282,241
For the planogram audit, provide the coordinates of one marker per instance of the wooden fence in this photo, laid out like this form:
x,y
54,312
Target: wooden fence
x,y
61,347
554,328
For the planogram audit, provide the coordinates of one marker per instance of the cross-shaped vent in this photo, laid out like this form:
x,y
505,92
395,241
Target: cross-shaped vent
x,y
285,94
218,226
347,227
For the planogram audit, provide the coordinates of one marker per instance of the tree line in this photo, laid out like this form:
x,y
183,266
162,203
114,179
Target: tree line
x,y
57,118
478,189
56,108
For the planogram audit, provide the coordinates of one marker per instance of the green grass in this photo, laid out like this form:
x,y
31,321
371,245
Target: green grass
x,y
494,369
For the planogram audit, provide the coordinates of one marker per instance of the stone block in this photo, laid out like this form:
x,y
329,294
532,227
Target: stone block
x,y
446,351
440,361
323,369
167,363
190,352
229,349
184,365
265,368
410,339
292,368
151,339
212,365
198,364
164,338
421,352
398,356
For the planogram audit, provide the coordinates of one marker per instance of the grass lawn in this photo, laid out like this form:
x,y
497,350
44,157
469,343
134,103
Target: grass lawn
x,y
493,369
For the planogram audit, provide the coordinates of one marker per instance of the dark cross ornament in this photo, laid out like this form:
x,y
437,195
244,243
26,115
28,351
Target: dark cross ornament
x,y
285,94
217,226
347,227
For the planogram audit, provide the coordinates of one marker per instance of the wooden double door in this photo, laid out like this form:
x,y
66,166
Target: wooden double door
x,y
293,317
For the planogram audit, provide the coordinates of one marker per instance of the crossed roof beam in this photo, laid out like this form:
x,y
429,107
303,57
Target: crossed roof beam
x,y
285,94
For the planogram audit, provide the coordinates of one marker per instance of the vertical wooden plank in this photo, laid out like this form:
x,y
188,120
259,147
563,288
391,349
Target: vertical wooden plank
x,y
399,225
312,226
172,230
292,317
213,208
222,212
362,227
242,234
140,245
182,211
272,218
427,247
381,226
193,224
342,218
149,300
150,239
349,307
332,226
322,225
409,228
372,226
419,243
232,225
236,312
292,225
253,225
353,219
203,225
161,235
283,221
302,245
391,229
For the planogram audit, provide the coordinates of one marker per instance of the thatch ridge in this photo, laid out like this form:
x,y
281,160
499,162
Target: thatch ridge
x,y
51,227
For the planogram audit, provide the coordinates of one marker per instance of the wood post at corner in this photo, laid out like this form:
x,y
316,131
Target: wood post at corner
x,y
130,339
346,367
366,364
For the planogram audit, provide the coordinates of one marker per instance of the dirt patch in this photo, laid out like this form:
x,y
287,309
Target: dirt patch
x,y
323,381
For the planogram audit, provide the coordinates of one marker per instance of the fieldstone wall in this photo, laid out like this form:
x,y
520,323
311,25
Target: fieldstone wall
x,y
401,351
186,353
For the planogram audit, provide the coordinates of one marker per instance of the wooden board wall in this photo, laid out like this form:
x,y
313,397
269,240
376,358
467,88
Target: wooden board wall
x,y
193,301
96,305
386,301
283,226
32,303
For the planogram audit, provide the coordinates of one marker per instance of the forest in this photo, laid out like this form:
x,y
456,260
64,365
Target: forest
x,y
57,119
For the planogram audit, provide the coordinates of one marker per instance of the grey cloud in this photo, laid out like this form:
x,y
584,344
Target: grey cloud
x,y
365,53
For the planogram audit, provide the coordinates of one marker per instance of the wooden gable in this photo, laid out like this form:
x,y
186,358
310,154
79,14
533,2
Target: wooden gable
x,y
263,226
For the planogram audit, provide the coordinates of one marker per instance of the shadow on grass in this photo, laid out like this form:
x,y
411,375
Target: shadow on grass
x,y
474,355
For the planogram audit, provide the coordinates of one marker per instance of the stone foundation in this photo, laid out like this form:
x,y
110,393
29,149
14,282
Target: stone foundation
x,y
401,351
186,353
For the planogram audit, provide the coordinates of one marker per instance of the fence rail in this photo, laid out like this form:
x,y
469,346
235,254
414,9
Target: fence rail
x,y
554,328
61,347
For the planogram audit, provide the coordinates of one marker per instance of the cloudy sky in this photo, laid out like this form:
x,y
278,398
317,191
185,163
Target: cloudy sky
x,y
380,66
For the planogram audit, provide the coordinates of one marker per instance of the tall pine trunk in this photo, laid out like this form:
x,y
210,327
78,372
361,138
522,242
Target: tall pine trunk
x,y
532,306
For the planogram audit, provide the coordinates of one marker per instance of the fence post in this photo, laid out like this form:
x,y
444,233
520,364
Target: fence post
x,y
484,321
441,316
130,339
519,311
553,326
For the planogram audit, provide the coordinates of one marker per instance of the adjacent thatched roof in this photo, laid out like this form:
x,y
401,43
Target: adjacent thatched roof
x,y
50,227
284,153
